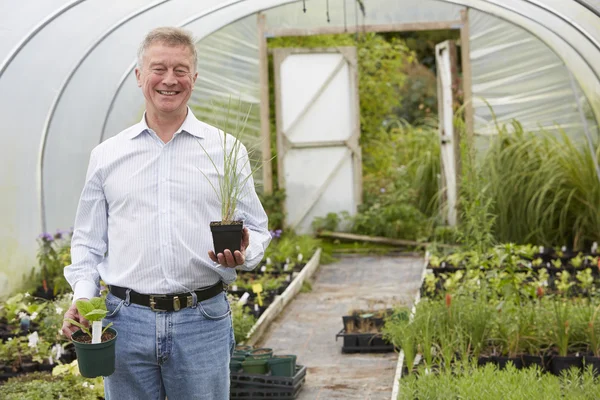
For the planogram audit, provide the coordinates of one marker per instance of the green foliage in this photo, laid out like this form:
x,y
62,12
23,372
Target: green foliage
x,y
242,321
233,175
54,254
43,386
391,214
273,205
544,187
488,382
93,309
330,222
51,319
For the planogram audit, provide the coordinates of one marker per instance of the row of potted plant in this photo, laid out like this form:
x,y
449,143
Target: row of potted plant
x,y
519,257
492,383
551,333
583,283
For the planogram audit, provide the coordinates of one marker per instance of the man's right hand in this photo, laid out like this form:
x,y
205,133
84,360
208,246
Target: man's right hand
x,y
67,328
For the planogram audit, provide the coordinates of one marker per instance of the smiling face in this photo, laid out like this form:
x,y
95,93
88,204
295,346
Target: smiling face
x,y
167,78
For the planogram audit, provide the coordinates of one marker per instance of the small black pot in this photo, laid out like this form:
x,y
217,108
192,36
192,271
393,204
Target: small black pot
x,y
502,361
350,322
594,362
46,367
560,363
530,360
226,236
483,360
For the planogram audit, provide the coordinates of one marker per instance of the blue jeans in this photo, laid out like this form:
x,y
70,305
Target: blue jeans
x,y
182,355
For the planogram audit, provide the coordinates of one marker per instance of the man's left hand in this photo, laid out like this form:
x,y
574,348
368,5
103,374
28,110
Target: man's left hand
x,y
226,259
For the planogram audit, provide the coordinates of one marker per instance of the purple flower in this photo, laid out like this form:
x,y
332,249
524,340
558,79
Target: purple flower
x,y
46,237
275,233
61,233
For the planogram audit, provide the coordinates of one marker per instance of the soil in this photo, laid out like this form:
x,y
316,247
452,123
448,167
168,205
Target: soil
x,y
106,336
219,223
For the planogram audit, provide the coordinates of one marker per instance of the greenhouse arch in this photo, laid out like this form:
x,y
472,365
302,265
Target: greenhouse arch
x,y
67,66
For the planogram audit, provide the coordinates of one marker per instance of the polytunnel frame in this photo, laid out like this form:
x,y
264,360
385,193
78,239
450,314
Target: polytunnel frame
x,y
257,9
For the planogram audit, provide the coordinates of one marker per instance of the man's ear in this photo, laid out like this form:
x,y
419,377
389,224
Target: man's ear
x,y
195,76
138,77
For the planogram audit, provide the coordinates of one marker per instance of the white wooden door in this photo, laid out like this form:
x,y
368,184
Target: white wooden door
x,y
445,55
318,130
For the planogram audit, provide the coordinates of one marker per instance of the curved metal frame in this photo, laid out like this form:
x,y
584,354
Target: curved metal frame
x,y
130,69
34,32
223,7
63,86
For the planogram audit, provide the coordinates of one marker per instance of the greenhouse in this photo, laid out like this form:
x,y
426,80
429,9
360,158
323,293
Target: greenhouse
x,y
453,142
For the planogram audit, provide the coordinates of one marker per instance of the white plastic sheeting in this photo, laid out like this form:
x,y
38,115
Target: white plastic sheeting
x,y
66,78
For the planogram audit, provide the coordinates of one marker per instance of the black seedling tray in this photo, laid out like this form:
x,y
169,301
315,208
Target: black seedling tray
x,y
364,343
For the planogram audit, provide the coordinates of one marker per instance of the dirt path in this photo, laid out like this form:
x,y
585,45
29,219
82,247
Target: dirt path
x,y
307,327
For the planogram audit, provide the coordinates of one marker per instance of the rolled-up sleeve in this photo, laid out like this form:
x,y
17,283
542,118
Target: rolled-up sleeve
x,y
90,240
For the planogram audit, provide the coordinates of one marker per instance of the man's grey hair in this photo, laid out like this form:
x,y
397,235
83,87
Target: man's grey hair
x,y
169,36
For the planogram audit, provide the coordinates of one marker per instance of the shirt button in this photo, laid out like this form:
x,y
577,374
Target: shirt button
x,y
163,211
164,179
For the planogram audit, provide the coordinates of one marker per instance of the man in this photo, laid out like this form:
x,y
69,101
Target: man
x,y
142,226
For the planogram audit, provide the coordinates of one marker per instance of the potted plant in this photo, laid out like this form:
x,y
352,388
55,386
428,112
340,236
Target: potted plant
x,y
234,172
96,348
593,339
561,332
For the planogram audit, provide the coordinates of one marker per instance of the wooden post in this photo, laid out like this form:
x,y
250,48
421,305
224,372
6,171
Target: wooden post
x,y
465,50
265,131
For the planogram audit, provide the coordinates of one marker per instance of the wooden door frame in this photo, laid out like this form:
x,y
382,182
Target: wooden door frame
x,y
352,143
263,64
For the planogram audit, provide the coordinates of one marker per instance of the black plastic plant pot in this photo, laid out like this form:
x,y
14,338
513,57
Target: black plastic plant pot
x,y
560,364
350,322
530,360
503,361
96,359
226,236
483,360
594,362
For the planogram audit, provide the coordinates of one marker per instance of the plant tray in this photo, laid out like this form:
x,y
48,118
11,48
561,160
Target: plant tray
x,y
364,343
268,381
264,393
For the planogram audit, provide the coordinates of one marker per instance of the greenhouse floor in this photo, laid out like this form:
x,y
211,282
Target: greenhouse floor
x,y
309,324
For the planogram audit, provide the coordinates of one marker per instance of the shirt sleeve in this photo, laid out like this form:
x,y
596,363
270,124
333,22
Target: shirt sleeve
x,y
255,219
90,240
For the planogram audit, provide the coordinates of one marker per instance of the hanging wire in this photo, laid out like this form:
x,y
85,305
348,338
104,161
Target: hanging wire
x,y
304,6
356,20
345,24
328,20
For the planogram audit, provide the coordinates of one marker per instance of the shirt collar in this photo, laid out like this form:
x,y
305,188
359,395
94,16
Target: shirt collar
x,y
190,125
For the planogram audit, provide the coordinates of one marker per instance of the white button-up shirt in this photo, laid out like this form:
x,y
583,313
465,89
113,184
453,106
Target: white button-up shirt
x,y
144,213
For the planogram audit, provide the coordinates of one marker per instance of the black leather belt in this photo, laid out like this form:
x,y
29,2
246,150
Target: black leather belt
x,y
167,302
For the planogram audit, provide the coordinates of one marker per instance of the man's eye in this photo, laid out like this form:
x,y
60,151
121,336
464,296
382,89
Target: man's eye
x,y
158,70
180,72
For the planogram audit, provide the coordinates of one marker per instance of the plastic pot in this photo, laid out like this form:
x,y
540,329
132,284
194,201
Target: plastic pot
x,y
594,362
96,359
560,363
530,360
283,365
260,353
256,367
235,366
502,361
226,236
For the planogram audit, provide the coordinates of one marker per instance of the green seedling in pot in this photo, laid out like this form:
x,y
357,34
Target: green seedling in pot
x,y
93,310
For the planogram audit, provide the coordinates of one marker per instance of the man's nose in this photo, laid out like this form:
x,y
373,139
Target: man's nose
x,y
169,78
